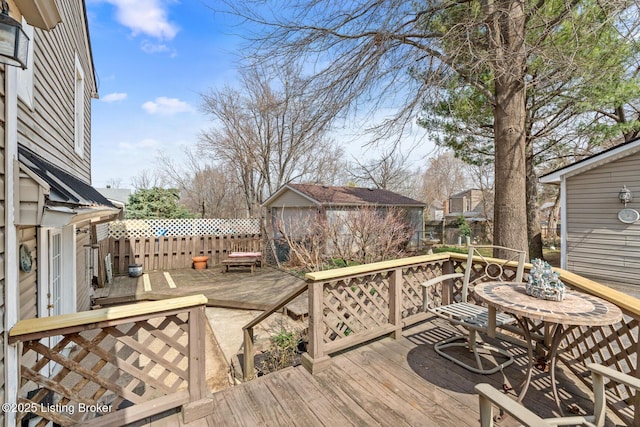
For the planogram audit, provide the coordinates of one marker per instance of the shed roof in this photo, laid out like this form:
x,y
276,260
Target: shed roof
x,y
614,153
64,188
347,196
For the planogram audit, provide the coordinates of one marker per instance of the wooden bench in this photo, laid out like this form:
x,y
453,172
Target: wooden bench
x,y
240,262
256,255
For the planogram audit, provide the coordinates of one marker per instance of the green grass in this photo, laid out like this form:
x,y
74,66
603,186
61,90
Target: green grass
x,y
461,250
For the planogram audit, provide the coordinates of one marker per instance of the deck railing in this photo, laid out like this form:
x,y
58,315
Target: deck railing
x,y
352,305
114,366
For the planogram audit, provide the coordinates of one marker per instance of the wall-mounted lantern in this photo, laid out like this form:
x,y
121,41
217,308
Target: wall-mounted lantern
x,y
14,43
625,195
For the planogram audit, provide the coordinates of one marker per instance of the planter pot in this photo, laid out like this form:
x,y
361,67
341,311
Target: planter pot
x,y
135,270
200,262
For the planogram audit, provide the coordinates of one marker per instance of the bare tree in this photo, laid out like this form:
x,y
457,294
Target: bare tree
x,y
269,131
207,189
389,171
360,235
373,52
445,175
148,179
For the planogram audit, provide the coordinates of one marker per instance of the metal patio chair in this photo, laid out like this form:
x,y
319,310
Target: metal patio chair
x,y
473,317
490,396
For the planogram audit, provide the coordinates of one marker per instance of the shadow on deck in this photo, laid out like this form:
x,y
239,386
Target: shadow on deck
x,y
237,289
387,382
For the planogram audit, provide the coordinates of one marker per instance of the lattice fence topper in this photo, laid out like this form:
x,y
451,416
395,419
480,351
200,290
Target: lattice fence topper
x,y
142,228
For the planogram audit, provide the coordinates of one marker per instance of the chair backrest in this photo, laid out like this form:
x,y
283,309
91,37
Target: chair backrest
x,y
494,268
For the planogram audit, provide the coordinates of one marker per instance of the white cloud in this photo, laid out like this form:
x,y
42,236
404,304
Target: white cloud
x,y
166,106
143,144
145,17
114,97
149,47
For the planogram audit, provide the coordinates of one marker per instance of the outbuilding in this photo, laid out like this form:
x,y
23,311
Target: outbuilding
x,y
292,205
600,223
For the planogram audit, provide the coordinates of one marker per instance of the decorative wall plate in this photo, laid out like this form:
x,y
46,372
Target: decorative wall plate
x,y
628,215
25,258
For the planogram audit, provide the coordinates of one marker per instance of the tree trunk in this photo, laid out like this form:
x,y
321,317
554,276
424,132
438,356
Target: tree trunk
x,y
510,217
554,216
534,232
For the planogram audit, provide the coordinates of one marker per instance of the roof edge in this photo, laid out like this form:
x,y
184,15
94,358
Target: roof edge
x,y
285,187
592,162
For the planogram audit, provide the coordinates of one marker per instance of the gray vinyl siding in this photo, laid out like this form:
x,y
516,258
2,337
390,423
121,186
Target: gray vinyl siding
x,y
289,211
83,296
48,128
290,199
28,282
599,246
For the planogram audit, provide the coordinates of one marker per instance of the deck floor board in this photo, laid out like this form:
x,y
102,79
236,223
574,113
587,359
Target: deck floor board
x,y
387,382
400,382
237,289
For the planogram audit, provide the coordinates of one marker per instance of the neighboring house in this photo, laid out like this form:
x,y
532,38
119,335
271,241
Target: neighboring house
x,y
600,236
469,203
292,205
118,196
49,208
435,211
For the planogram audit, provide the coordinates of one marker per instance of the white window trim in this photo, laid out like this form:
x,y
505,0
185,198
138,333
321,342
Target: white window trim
x,y
78,108
69,291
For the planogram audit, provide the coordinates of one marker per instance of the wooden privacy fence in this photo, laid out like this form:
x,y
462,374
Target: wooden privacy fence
x,y
114,366
353,305
169,253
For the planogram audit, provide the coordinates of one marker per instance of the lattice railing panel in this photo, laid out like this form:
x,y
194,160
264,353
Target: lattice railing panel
x,y
614,346
412,291
355,305
362,306
142,228
104,369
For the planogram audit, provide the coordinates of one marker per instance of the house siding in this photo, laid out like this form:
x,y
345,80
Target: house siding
x,y
290,199
599,246
28,282
48,128
83,296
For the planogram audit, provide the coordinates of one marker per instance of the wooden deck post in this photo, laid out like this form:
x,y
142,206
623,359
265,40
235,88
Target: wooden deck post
x,y
636,398
395,302
447,285
314,360
200,405
248,367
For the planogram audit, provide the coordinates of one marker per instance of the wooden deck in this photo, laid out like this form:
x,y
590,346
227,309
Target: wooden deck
x,y
238,289
386,382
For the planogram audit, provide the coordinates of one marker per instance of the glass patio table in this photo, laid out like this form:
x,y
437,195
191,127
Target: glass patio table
x,y
575,310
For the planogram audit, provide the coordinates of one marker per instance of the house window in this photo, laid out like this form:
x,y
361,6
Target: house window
x,y
79,109
55,273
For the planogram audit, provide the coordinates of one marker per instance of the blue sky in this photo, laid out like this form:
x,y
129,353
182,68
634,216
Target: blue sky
x,y
153,59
